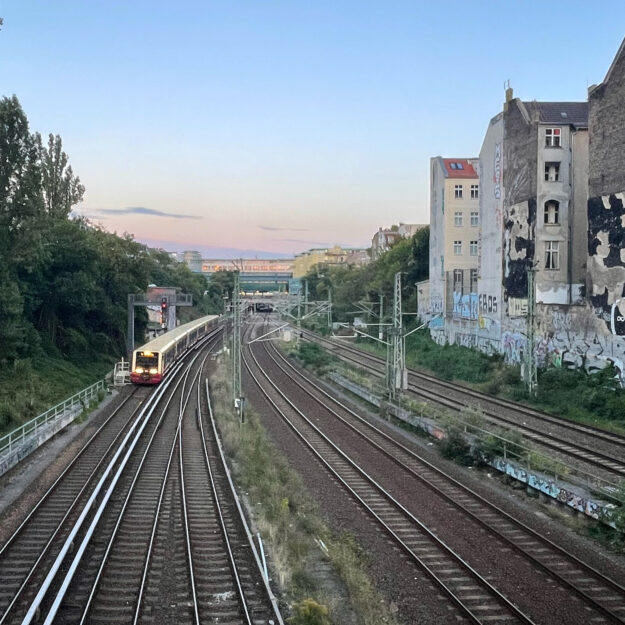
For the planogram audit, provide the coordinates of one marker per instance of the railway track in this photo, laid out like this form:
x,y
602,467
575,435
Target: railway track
x,y
603,598
162,538
577,441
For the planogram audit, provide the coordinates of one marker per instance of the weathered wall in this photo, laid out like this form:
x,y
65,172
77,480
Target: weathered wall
x,y
437,237
606,120
491,238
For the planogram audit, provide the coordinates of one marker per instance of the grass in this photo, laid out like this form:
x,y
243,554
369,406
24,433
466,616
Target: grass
x,y
30,386
287,518
599,401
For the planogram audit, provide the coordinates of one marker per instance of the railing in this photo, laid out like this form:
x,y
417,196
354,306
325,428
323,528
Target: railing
x,y
32,427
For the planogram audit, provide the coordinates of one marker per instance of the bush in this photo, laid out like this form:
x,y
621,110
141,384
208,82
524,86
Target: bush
x,y
456,448
309,612
313,354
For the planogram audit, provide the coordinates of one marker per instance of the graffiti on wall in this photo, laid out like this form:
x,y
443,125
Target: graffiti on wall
x,y
513,345
518,247
465,306
606,251
517,306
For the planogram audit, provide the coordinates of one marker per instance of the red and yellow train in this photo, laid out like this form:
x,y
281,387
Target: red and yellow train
x,y
151,362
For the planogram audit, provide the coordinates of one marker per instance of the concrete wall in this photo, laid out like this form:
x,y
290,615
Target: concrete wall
x,y
491,237
437,236
606,120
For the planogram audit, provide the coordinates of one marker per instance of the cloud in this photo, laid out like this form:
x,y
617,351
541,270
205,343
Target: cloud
x,y
274,229
142,210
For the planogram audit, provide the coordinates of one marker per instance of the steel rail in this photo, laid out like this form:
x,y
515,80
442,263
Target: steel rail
x,y
67,546
222,523
235,496
51,489
126,502
581,453
387,496
413,455
606,435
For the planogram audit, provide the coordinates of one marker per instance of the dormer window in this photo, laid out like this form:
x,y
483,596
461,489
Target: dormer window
x,y
553,138
552,212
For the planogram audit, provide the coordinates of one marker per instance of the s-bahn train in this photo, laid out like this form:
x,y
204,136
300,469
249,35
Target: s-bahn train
x,y
151,362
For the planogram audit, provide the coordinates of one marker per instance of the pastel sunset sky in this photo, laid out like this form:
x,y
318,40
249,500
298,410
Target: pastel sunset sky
x,y
277,126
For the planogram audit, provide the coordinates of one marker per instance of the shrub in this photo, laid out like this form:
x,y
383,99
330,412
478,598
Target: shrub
x,y
456,448
309,612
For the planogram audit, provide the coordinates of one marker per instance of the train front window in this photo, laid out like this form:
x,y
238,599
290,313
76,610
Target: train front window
x,y
146,361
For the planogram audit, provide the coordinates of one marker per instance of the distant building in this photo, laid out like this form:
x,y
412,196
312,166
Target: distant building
x,y
336,255
385,238
193,260
247,265
454,237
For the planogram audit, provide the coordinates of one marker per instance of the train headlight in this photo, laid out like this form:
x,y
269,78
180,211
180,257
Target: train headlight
x,y
153,370
139,370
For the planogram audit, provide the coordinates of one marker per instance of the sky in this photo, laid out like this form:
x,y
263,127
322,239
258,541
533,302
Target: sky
x,y
236,127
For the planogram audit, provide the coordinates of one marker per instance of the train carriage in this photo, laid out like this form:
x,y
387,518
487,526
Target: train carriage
x,y
151,362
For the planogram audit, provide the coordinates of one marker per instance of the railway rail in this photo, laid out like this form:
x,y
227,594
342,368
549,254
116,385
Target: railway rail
x,y
157,535
583,443
602,596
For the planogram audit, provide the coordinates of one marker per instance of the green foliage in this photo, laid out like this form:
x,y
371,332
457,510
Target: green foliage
x,y
455,447
352,284
64,281
309,612
313,354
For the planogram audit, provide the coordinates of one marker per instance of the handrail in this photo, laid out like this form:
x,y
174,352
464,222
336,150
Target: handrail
x,y
19,434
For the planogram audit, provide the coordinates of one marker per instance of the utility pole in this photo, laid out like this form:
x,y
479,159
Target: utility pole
x,y
305,297
397,369
530,364
330,307
236,344
381,330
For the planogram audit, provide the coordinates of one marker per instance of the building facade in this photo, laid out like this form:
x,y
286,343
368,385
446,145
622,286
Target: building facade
x,y
336,255
454,243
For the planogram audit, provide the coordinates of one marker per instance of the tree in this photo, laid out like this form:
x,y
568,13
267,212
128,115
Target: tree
x,y
61,189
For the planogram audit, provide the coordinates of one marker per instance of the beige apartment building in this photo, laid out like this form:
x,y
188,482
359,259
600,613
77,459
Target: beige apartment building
x,y
336,255
454,236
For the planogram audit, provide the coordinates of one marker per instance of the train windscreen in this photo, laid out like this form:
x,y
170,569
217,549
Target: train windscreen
x,y
146,360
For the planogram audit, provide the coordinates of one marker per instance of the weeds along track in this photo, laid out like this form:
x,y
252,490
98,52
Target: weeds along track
x,y
585,444
595,590
473,598
28,552
149,546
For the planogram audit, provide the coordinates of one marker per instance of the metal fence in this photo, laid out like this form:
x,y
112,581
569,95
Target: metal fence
x,y
32,427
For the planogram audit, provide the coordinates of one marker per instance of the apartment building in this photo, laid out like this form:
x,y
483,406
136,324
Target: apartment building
x,y
335,255
454,237
385,238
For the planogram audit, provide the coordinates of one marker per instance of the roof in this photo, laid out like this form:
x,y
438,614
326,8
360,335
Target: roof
x,y
575,113
165,340
458,168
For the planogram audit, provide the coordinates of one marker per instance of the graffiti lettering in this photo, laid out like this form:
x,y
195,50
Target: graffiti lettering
x,y
488,303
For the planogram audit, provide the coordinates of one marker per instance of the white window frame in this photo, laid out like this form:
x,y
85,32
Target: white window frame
x,y
475,191
458,273
552,255
458,191
553,137
473,247
458,219
551,213
475,218
473,276
457,248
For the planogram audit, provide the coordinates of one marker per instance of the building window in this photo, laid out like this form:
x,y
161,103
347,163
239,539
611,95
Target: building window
x,y
475,219
457,218
552,172
458,191
475,189
456,166
457,248
473,248
552,255
457,279
552,212
473,280
552,138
